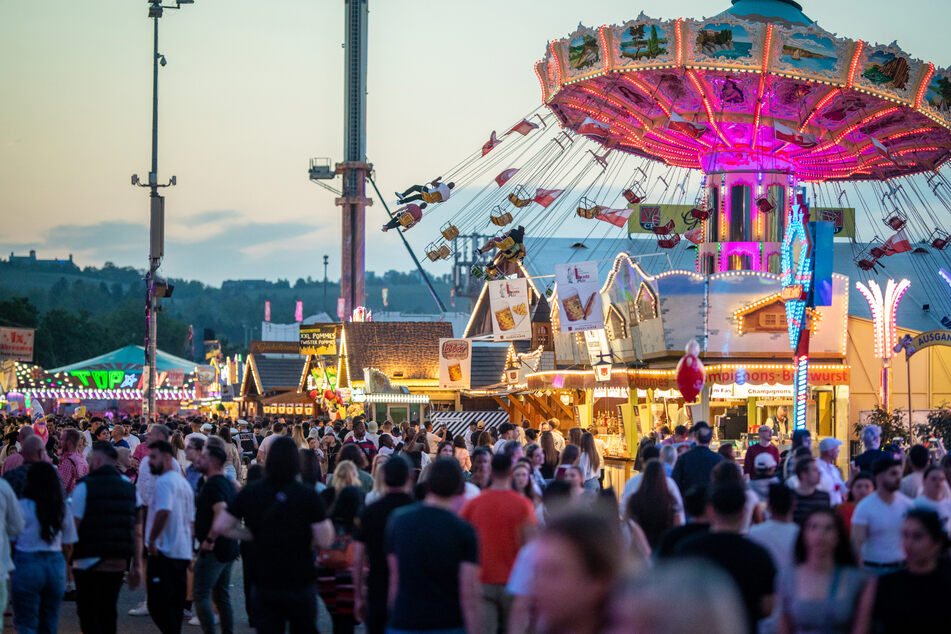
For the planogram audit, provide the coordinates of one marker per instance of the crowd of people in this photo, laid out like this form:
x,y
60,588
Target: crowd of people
x,y
408,528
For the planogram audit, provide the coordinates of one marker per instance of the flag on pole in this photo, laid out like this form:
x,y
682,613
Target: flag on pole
x,y
267,311
299,311
617,217
593,127
898,243
491,143
693,130
523,127
504,177
545,197
788,135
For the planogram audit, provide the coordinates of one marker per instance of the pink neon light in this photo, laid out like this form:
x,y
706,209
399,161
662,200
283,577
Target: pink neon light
x,y
680,46
604,48
751,249
924,86
854,63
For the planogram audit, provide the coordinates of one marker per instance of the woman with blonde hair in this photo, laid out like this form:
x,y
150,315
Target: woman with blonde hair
x,y
345,475
232,451
379,486
298,436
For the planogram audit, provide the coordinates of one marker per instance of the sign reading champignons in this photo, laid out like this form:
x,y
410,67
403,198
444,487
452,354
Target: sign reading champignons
x,y
319,339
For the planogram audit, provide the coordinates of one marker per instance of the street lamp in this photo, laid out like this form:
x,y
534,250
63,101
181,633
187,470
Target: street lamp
x,y
602,369
157,217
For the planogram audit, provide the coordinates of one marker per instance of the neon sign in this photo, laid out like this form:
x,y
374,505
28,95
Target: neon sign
x,y
106,379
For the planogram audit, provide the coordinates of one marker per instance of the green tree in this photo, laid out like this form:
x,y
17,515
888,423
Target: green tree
x,y
894,427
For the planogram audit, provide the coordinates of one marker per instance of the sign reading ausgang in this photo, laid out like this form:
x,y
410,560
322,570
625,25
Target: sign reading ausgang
x,y
930,338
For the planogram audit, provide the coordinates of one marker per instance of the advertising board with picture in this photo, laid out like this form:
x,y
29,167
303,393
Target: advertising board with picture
x,y
509,302
455,363
579,297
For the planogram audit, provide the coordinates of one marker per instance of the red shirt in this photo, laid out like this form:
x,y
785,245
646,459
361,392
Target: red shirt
x,y
756,450
499,518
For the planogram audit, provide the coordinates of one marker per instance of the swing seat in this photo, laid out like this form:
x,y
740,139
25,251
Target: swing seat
x,y
503,243
476,271
443,252
589,209
405,218
896,220
432,251
764,205
865,264
664,229
939,243
699,214
877,252
520,198
499,217
631,196
669,242
449,231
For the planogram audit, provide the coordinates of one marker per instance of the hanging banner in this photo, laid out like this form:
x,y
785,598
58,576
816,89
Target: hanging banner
x,y
319,339
16,344
455,364
596,342
579,297
508,301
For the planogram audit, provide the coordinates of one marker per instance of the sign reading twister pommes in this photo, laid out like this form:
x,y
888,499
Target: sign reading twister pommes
x,y
579,297
455,364
509,302
318,339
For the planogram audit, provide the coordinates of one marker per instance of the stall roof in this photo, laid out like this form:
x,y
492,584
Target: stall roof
x,y
274,374
488,363
127,358
401,350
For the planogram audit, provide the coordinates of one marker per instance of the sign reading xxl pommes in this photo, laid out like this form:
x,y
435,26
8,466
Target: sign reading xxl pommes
x,y
318,339
455,364
16,344
579,296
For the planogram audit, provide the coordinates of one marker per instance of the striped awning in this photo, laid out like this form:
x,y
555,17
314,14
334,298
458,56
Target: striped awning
x,y
458,422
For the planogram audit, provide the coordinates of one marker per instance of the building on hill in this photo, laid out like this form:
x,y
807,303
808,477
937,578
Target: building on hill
x,y
52,264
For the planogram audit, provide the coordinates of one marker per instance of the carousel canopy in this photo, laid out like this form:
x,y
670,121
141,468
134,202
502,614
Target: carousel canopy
x,y
130,358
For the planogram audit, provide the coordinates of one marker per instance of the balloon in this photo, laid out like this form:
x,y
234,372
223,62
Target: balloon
x,y
329,395
314,394
690,372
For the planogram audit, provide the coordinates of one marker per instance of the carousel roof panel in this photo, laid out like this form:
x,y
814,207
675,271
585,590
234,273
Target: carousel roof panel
x,y
128,358
688,93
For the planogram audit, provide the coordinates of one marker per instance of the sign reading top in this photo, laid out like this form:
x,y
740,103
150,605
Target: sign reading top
x,y
319,339
648,216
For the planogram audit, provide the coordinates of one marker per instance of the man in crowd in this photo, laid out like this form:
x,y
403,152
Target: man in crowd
x,y
871,441
432,439
105,507
778,534
168,531
361,440
118,436
749,564
72,465
285,521
698,514
765,445
277,431
15,460
807,496
779,423
370,590
32,449
680,435
919,460
507,432
693,468
480,473
217,553
830,478
193,448
433,560
504,520
877,520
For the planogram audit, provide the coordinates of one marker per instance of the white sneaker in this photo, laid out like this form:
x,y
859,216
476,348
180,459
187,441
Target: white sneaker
x,y
194,621
140,610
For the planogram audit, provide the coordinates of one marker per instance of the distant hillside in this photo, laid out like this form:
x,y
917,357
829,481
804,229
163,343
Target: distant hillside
x,y
234,311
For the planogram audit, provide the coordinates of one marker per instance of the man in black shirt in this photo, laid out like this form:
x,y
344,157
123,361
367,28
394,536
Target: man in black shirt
x,y
694,467
433,558
370,591
697,511
749,564
216,553
284,521
807,497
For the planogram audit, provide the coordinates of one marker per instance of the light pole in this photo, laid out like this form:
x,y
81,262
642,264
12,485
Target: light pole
x,y
326,259
154,287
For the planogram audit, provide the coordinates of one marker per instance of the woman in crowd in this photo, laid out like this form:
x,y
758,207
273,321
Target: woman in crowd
x,y
652,507
590,463
310,473
574,436
871,441
569,457
912,599
233,464
825,592
551,457
178,444
334,578
298,436
39,576
577,561
574,477
863,484
522,481
445,449
461,453
379,486
483,439
536,457
934,495
345,475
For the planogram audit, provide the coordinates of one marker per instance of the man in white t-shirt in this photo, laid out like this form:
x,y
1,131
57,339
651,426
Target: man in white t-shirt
x,y
877,520
778,534
507,432
830,478
278,431
168,537
557,438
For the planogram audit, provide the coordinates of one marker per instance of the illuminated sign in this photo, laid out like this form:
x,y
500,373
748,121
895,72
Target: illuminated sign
x,y
318,339
107,379
930,338
818,375
795,291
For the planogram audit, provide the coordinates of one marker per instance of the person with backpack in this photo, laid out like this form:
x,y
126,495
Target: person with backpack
x,y
334,563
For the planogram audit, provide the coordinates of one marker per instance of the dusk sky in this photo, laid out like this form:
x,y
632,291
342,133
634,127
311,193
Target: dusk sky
x,y
253,90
